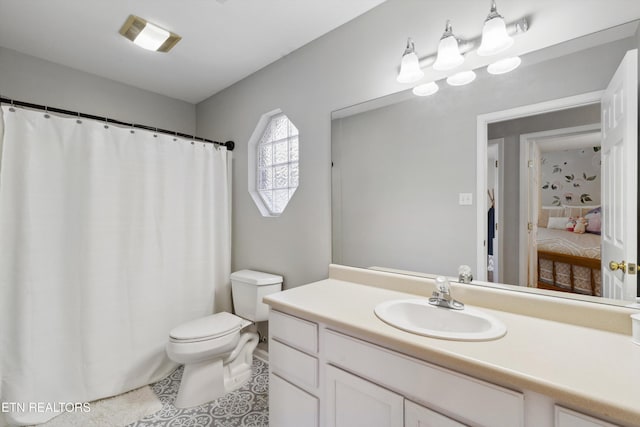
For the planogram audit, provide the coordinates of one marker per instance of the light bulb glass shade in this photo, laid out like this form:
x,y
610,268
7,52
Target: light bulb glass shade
x,y
449,56
494,37
426,89
410,71
152,37
462,78
504,65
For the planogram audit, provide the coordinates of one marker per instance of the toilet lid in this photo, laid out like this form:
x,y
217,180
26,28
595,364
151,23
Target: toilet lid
x,y
208,327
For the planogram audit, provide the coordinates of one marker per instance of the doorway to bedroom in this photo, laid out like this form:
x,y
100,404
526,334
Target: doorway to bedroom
x,y
619,184
550,175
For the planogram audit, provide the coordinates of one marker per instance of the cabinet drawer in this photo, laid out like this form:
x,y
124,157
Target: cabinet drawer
x,y
289,406
567,418
470,400
292,364
294,331
419,416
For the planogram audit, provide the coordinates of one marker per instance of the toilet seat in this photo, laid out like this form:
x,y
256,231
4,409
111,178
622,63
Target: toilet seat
x,y
207,328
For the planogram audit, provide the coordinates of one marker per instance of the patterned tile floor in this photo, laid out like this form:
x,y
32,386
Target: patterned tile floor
x,y
246,407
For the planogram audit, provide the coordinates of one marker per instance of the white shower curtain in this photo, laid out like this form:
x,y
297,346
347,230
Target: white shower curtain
x,y
109,237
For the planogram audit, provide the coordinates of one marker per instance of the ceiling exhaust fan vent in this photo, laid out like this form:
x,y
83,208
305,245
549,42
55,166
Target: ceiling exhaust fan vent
x,y
148,35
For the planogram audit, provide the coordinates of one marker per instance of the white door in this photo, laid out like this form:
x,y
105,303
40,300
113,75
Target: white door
x,y
619,181
354,402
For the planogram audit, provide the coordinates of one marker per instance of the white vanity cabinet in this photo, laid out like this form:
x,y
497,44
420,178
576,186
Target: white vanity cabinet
x,y
419,416
567,418
354,402
290,406
320,377
459,397
293,372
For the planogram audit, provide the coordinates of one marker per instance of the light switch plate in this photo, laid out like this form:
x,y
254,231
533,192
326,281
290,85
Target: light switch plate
x,y
466,199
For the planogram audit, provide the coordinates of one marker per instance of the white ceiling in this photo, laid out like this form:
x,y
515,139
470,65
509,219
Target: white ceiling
x,y
222,42
227,40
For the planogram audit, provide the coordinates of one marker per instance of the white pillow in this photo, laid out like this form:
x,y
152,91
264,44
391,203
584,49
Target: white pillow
x,y
558,222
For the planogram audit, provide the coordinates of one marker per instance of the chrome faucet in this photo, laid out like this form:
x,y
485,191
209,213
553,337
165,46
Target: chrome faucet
x,y
442,295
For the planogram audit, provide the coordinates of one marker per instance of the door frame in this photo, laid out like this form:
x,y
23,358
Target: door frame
x,y
529,204
498,143
482,124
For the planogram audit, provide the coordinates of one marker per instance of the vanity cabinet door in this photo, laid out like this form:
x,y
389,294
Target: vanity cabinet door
x,y
290,406
567,418
419,416
354,402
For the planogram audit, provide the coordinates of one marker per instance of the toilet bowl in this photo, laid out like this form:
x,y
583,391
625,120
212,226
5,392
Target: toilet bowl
x,y
217,350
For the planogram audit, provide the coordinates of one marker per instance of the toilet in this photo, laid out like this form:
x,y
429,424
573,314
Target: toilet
x,y
217,350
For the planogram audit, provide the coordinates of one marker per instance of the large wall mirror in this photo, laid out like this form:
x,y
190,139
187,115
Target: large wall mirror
x,y
403,165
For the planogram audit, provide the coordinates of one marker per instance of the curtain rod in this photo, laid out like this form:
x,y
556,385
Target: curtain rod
x,y
229,144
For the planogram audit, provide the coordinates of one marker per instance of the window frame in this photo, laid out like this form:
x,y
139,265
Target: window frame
x,y
254,168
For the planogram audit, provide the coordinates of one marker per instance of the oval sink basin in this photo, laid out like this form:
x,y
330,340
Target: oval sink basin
x,y
419,317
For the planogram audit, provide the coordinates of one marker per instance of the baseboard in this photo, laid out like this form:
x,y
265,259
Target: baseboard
x,y
261,354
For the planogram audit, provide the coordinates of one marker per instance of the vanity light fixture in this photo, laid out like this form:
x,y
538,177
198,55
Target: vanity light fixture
x,y
504,65
426,89
148,35
449,56
462,78
495,38
410,70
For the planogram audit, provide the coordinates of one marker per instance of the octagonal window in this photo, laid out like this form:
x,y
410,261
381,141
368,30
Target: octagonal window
x,y
273,157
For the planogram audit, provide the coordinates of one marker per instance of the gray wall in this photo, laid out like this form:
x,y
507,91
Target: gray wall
x,y
327,75
511,130
35,80
349,65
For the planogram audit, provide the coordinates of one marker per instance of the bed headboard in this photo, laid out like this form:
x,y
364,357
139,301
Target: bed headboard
x,y
567,211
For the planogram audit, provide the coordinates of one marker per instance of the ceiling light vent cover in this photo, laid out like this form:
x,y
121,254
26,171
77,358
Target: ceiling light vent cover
x,y
134,25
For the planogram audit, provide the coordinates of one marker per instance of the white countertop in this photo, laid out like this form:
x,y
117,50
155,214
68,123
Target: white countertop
x,y
591,370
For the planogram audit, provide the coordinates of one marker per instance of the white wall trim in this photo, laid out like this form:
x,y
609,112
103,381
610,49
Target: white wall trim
x,y
482,124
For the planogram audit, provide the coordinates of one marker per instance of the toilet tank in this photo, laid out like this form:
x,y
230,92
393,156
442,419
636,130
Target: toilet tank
x,y
248,287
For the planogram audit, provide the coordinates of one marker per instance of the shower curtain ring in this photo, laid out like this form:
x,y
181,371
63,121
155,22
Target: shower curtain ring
x,y
106,123
132,131
46,112
12,108
155,135
78,121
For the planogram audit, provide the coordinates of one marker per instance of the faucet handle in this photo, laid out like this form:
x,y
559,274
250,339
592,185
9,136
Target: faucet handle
x,y
442,295
464,274
442,284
